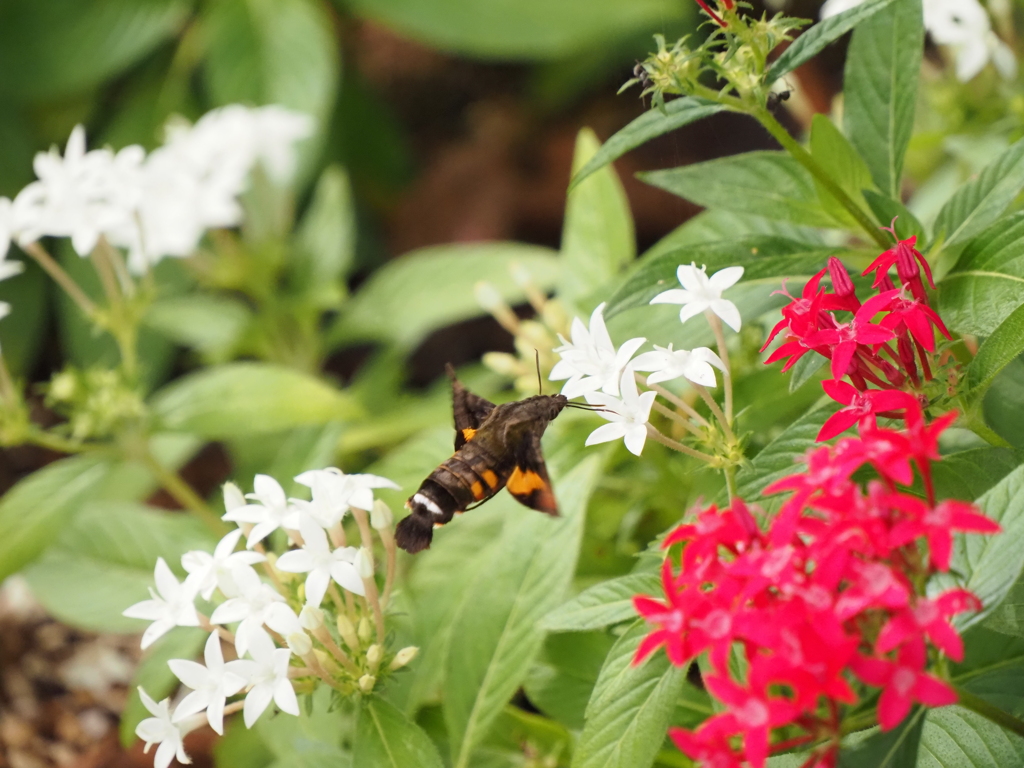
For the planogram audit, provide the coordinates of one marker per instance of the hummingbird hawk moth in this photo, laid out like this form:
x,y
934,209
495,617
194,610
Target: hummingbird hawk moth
x,y
496,446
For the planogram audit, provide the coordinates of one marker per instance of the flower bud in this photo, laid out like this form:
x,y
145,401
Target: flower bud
x,y
347,632
374,655
488,297
365,631
403,657
300,643
311,618
503,363
364,563
380,516
366,683
63,386
841,282
233,498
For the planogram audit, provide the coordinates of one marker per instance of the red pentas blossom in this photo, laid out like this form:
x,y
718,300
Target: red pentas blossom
x,y
886,348
824,604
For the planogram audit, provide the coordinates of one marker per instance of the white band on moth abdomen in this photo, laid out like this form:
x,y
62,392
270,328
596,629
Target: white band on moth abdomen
x,y
435,510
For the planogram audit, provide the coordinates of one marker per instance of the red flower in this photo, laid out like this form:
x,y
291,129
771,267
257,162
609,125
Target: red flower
x,y
884,262
937,525
859,405
903,682
845,338
708,747
930,618
751,713
845,296
918,318
670,618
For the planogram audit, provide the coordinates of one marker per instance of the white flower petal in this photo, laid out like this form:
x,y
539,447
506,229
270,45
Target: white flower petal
x,y
606,433
635,437
726,278
726,310
256,703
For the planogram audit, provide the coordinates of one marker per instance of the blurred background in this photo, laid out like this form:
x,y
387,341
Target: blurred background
x,y
456,122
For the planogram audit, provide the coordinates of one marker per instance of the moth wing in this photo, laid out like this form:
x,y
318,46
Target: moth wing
x,y
529,483
470,411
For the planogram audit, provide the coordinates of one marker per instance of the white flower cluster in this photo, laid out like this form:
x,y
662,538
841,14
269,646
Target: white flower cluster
x,y
256,609
604,375
154,205
964,26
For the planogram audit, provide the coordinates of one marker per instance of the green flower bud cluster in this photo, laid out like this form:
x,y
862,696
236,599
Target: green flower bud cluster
x,y
97,402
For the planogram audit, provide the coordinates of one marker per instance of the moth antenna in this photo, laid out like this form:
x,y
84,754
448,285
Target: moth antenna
x,y
540,382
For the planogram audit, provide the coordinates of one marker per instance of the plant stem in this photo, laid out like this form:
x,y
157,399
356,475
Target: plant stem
x,y
715,409
991,712
678,402
723,354
182,493
730,482
56,442
677,446
802,156
8,392
676,417
62,278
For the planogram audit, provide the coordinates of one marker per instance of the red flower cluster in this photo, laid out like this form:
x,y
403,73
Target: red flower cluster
x,y
891,354
832,592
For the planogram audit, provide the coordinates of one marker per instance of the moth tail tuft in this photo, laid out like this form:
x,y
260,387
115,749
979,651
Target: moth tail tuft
x,y
414,533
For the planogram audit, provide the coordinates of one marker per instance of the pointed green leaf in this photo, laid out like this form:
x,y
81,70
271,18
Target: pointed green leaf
x,y
598,239
248,398
326,238
889,749
997,351
386,738
981,200
966,475
954,737
769,184
496,635
604,604
883,66
650,125
814,40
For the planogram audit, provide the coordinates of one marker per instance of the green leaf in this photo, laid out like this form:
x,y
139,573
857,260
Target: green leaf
x,y
326,238
993,668
966,475
155,676
766,259
37,508
495,634
811,42
836,155
561,682
954,737
981,200
883,65
804,370
997,352
386,738
650,125
990,565
271,52
886,210
428,289
630,709
248,398
208,323
782,456
518,29
987,283
104,562
604,604
1003,405
598,238
22,332
890,749
60,47
769,184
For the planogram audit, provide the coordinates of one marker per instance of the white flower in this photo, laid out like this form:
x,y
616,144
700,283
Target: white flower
x,y
272,512
591,362
668,364
699,292
961,24
172,605
211,571
965,27
211,685
267,674
334,492
251,608
628,416
316,559
77,195
160,730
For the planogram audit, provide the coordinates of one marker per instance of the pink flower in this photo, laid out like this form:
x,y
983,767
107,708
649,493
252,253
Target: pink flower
x,y
860,405
884,262
937,525
929,617
845,338
903,682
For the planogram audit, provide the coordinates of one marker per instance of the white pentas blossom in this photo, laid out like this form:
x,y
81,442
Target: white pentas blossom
x,y
316,559
700,292
160,729
590,361
211,684
266,677
160,204
628,416
171,605
250,609
667,364
213,571
335,492
964,26
271,511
